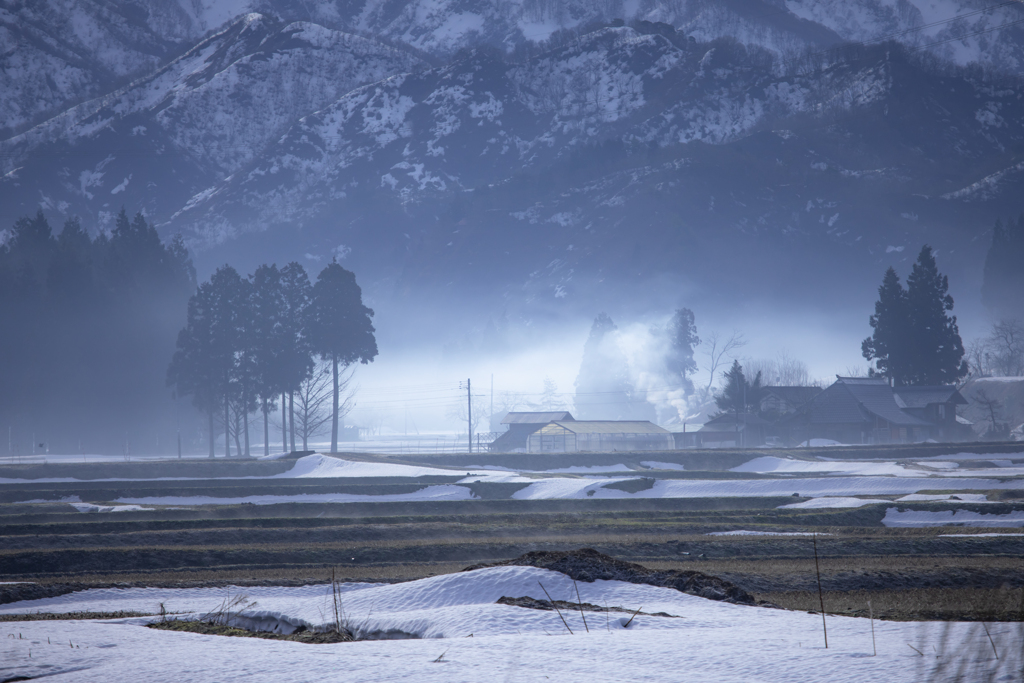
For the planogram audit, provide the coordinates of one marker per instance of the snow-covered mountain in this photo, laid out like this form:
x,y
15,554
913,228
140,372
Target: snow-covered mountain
x,y
192,122
630,151
55,53
416,137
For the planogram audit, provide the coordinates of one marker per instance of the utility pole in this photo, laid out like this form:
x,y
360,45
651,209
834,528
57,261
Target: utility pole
x,y
179,444
489,427
469,412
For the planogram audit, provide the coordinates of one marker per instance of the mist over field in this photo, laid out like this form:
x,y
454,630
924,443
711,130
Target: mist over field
x,y
499,174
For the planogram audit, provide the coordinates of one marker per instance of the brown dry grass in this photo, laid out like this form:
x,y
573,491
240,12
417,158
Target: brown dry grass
x,y
914,604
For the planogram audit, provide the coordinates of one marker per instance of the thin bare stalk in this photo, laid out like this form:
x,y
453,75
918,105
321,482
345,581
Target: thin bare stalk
x,y
556,608
579,601
821,600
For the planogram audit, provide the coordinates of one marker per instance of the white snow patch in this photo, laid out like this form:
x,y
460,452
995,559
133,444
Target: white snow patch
x,y
323,466
89,507
772,464
949,497
743,532
429,493
835,502
921,518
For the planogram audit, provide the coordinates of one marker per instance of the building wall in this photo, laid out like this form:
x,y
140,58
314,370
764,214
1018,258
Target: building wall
x,y
549,441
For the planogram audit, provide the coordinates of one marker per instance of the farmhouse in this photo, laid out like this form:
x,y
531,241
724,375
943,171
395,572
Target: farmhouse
x,y
866,410
779,401
599,435
936,405
731,430
520,425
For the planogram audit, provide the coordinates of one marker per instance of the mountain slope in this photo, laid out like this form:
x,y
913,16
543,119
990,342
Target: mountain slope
x,y
631,153
192,122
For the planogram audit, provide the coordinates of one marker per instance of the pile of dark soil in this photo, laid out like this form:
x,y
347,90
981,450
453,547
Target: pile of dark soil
x,y
211,629
15,592
588,565
533,603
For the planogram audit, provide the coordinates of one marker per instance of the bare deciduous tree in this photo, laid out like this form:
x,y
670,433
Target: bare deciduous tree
x,y
313,401
718,350
1006,344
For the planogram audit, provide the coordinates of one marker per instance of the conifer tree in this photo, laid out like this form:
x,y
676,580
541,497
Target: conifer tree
x,y
887,345
738,395
935,349
270,341
340,328
683,341
604,390
915,341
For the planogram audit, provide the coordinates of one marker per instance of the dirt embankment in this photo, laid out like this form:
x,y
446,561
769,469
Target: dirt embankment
x,y
588,565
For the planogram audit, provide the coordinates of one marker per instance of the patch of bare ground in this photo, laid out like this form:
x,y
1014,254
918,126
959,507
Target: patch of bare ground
x,y
910,604
214,629
547,605
68,616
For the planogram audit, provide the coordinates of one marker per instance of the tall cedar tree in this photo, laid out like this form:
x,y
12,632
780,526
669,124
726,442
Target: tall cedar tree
x,y
1002,288
683,341
915,341
888,345
936,352
270,341
206,364
739,395
296,355
340,328
603,386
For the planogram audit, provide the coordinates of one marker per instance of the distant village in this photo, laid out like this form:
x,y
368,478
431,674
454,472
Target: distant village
x,y
852,411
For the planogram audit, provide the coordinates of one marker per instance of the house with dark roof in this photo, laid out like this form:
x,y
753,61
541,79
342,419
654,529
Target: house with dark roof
x,y
729,430
857,410
601,436
779,401
937,405
520,425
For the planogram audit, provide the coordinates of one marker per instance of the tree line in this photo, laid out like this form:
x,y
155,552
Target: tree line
x,y
249,341
88,322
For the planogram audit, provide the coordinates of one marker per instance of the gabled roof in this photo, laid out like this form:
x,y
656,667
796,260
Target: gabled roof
x,y
609,427
854,400
795,396
919,397
537,418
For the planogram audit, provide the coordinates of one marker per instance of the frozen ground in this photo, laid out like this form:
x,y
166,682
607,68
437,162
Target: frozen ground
x,y
702,640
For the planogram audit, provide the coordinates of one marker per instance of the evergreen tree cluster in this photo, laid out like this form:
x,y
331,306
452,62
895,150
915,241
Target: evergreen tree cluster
x,y
739,395
88,324
249,341
1002,289
915,340
604,390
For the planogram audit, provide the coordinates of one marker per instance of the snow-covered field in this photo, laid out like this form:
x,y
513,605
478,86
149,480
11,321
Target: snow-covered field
x,y
462,635
831,483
